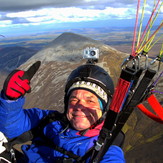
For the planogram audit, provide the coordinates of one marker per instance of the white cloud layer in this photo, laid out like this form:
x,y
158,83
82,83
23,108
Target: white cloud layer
x,y
19,5
35,12
69,14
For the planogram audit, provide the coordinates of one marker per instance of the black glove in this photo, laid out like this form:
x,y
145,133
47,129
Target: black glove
x,y
18,82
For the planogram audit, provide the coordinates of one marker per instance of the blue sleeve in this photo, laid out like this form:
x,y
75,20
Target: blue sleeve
x,y
14,120
113,155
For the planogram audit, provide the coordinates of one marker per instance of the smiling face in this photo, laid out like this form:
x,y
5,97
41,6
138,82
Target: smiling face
x,y
83,109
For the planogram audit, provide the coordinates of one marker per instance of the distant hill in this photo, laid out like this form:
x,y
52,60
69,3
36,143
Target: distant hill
x,y
12,57
143,136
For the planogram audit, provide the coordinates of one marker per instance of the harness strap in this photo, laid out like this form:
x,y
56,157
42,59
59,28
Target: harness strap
x,y
127,109
122,89
57,148
50,118
79,159
135,100
156,106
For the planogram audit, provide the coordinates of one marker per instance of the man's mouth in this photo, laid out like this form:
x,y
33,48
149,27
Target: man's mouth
x,y
75,115
78,115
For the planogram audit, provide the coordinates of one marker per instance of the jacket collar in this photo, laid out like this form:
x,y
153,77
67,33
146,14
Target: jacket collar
x,y
93,131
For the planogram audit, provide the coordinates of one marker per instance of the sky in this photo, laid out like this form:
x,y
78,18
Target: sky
x,y
31,16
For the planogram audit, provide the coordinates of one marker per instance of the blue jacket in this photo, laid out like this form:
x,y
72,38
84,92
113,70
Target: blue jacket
x,y
15,120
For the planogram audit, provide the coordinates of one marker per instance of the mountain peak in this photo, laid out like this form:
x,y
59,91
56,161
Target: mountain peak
x,y
67,38
68,47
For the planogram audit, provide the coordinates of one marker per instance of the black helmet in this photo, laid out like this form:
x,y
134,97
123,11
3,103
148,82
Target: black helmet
x,y
90,74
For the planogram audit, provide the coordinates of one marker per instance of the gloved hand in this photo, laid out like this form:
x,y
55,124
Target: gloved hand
x,y
18,82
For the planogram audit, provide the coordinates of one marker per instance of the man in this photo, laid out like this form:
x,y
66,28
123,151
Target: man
x,y
67,136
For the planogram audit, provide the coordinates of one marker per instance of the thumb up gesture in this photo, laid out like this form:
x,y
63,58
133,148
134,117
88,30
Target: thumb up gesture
x,y
17,83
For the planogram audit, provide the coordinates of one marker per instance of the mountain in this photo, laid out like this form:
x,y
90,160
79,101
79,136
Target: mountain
x,y
69,47
144,137
13,57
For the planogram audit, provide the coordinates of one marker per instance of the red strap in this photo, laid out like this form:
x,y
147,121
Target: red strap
x,y
152,100
156,106
119,95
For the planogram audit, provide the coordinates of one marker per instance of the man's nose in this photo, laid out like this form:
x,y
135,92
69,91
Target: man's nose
x,y
80,105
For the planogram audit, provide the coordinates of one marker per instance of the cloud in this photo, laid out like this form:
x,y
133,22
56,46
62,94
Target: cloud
x,y
68,14
19,5
50,11
35,12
